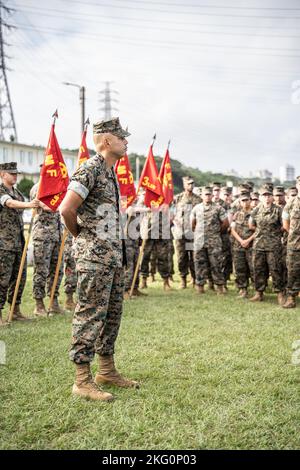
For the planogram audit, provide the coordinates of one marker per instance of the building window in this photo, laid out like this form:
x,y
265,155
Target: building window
x,y
30,158
22,157
5,155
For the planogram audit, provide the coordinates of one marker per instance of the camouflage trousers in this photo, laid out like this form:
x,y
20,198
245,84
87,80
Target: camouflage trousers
x,y
185,257
243,266
209,261
267,263
9,268
98,312
227,255
69,268
284,265
162,247
45,256
132,253
153,261
171,257
293,268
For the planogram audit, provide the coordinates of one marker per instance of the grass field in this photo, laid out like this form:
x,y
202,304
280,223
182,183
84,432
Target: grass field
x,y
215,372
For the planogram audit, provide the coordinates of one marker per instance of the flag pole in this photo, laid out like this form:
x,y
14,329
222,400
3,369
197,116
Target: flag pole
x,y
24,253
137,267
152,143
61,249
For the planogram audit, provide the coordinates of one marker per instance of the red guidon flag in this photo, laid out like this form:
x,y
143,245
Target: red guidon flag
x,y
166,178
83,152
126,183
150,181
54,178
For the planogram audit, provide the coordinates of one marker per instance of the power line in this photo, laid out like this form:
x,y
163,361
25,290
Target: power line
x,y
126,7
168,44
66,13
153,28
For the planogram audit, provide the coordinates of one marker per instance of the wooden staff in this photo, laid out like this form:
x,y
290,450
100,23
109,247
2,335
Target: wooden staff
x,y
24,254
23,259
139,259
60,255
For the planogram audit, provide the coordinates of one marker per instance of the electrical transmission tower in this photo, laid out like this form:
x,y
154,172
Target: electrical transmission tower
x,y
8,129
108,100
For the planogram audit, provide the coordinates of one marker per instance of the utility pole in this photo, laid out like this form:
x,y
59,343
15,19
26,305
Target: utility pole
x,y
81,101
8,129
107,100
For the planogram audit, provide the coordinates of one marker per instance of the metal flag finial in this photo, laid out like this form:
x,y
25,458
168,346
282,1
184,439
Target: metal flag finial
x,y
55,116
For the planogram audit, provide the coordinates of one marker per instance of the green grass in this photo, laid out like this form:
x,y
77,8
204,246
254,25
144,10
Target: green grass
x,y
215,372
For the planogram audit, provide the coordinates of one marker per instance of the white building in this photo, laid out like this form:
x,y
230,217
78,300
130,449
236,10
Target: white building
x,y
29,158
286,173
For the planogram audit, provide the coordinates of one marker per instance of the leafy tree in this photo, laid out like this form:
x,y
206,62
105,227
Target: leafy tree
x,y
25,186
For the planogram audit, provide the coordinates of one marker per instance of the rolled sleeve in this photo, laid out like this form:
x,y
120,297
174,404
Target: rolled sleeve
x,y
285,215
79,189
4,198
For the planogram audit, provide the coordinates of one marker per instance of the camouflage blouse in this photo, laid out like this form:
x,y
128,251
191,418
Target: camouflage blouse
x,y
241,226
268,222
98,218
291,212
45,224
11,221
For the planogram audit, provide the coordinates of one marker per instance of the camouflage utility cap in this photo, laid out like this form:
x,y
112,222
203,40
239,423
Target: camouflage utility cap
x,y
187,179
9,167
207,190
265,189
110,126
279,191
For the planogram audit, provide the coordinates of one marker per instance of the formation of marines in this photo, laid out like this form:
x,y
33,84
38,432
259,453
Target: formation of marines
x,y
255,235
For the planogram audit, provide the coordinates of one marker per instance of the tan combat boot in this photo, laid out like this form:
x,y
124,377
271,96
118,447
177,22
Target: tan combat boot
x,y
40,309
152,277
17,315
138,293
200,289
56,308
290,302
69,303
85,387
167,285
211,285
183,282
221,290
144,283
281,298
126,295
243,293
108,374
258,297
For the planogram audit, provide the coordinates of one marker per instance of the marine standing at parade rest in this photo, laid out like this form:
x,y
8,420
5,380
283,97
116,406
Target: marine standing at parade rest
x,y
91,211
266,220
12,204
291,223
208,220
46,239
183,235
242,238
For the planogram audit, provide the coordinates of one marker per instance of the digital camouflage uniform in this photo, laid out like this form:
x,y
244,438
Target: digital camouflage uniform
x,y
160,241
46,239
100,255
226,245
242,257
70,266
291,212
208,252
11,247
132,243
182,232
267,248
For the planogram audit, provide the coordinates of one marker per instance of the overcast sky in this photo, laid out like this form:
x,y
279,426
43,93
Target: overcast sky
x,y
214,76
